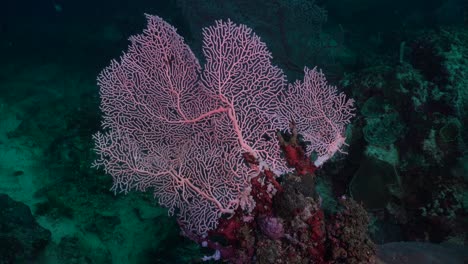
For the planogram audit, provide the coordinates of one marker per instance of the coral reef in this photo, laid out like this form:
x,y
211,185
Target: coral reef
x,y
289,223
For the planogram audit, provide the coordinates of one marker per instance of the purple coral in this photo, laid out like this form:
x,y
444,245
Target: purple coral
x,y
272,227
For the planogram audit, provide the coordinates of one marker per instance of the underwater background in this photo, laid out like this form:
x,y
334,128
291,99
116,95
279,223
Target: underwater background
x,y
405,64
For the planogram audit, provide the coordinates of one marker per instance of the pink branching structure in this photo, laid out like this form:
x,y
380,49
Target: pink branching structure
x,y
184,131
319,112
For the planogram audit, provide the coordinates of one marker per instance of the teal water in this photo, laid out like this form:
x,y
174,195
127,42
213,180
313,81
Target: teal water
x,y
405,161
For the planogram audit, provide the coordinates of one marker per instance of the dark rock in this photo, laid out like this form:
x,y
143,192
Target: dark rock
x,y
22,239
